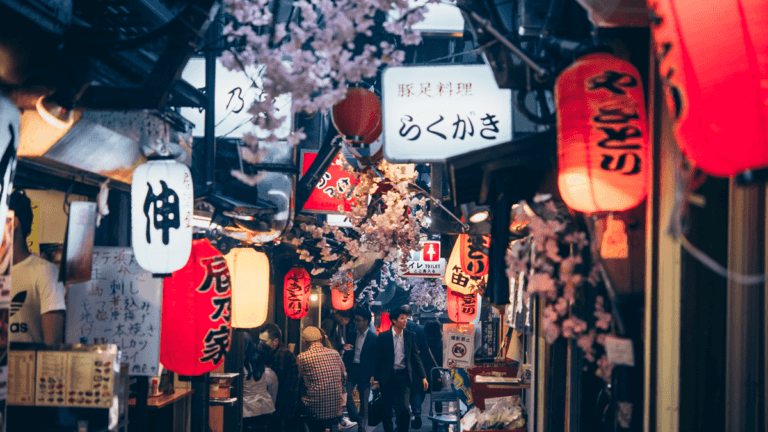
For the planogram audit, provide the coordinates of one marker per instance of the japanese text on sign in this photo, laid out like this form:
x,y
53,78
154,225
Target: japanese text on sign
x,y
446,110
119,305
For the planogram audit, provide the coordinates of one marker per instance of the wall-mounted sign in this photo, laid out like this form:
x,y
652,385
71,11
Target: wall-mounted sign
x,y
329,193
235,91
425,263
432,113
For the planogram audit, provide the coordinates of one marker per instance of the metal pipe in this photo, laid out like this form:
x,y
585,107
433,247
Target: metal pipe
x,y
541,73
209,139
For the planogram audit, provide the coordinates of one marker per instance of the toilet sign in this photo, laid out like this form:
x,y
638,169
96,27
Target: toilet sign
x,y
424,264
431,251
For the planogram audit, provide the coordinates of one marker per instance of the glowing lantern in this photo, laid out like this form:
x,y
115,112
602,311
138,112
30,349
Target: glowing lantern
x,y
296,293
10,120
474,254
343,301
196,313
386,323
712,60
250,287
357,116
462,308
602,141
161,215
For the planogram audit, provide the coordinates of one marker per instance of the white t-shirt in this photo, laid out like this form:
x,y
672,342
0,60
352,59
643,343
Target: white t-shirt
x,y
259,396
35,290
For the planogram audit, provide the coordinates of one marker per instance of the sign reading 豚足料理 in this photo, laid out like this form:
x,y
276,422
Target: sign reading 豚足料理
x,y
432,113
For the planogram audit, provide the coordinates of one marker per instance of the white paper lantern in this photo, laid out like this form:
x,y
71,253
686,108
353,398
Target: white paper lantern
x,y
249,271
10,119
161,215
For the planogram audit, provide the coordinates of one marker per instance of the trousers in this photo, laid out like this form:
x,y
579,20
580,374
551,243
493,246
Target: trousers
x,y
396,394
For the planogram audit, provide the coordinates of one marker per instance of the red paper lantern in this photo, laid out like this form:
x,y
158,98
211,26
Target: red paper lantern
x,y
343,301
712,60
462,308
296,293
357,116
386,323
196,313
474,254
602,139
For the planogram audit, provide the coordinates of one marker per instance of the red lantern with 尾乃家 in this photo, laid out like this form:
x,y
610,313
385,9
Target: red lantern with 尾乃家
x,y
462,308
357,116
602,138
713,61
296,289
196,313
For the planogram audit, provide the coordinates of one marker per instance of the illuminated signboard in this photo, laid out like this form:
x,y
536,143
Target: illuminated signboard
x,y
334,185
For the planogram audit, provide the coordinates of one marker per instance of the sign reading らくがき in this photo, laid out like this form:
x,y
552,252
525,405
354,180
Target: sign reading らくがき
x,y
431,113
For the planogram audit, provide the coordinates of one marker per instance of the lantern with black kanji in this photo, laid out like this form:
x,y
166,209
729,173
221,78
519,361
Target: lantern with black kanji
x,y
713,64
357,116
462,308
474,254
10,121
196,313
249,270
161,215
602,138
296,289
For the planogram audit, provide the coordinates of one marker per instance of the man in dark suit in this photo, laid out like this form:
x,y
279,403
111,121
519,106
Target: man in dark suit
x,y
417,395
358,358
397,367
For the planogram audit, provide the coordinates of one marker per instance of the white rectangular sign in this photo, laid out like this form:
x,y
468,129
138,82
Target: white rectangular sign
x,y
120,305
425,263
432,113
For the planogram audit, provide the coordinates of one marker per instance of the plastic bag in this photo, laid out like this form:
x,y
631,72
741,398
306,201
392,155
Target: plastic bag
x,y
469,421
507,413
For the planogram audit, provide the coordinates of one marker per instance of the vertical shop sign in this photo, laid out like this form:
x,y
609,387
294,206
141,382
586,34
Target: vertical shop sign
x,y
457,279
119,305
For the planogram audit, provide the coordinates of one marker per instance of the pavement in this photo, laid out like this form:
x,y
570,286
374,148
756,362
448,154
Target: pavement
x,y
426,425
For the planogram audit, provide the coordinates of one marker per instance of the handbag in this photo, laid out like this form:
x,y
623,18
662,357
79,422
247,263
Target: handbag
x,y
375,409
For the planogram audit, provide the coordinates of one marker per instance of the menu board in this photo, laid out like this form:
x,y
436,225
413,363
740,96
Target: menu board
x,y
76,379
21,386
119,305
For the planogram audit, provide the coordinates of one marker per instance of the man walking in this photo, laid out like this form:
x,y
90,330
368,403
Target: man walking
x,y
285,367
322,372
397,367
358,359
417,395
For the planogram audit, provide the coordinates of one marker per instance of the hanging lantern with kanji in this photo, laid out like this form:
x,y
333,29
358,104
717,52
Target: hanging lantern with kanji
x,y
196,313
357,116
474,254
462,308
296,287
161,215
602,138
713,64
249,270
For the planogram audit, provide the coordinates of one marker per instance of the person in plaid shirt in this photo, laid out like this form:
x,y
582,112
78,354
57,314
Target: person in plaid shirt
x,y
323,375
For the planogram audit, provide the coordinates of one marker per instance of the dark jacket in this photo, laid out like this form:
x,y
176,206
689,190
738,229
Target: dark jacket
x,y
366,354
287,370
421,341
384,361
335,333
